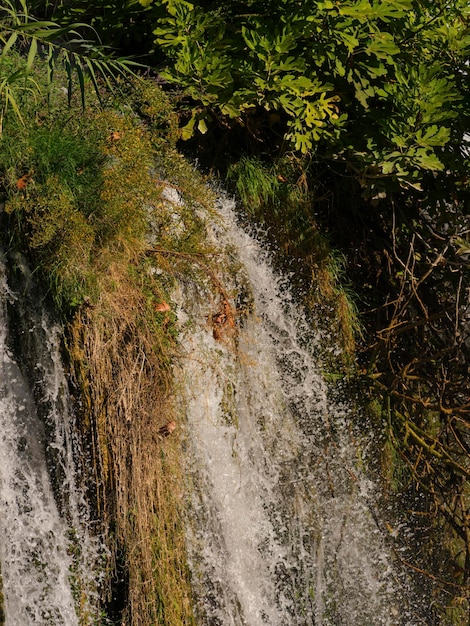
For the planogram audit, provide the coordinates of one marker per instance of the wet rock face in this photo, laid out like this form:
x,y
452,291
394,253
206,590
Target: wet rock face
x,y
2,603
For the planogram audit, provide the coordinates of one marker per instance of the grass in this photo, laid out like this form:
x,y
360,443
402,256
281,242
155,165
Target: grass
x,y
84,202
125,342
277,197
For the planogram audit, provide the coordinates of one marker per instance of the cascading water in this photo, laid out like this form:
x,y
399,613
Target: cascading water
x,y
48,557
284,526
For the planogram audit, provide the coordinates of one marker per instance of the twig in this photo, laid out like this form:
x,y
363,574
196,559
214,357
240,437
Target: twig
x,y
431,576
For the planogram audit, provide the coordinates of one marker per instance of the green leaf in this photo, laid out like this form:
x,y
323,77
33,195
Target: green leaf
x,y
362,96
290,64
340,67
9,44
91,71
175,6
33,48
382,46
388,167
433,136
351,41
428,160
187,131
360,10
202,126
302,142
81,82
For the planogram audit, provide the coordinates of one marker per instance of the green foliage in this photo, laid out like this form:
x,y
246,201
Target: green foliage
x,y
121,25
81,191
53,44
365,83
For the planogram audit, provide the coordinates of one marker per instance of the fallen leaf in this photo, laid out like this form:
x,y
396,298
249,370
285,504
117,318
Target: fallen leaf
x,y
162,307
23,181
167,429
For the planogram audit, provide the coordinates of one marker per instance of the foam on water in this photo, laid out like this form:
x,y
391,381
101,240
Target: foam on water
x,y
38,531
284,522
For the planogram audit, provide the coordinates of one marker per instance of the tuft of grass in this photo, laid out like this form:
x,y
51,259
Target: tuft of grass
x,y
255,184
277,196
86,199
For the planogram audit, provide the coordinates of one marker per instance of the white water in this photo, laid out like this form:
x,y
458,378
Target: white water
x,y
37,540
284,528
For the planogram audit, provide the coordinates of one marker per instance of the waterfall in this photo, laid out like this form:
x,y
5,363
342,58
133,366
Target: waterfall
x,y
284,526
48,555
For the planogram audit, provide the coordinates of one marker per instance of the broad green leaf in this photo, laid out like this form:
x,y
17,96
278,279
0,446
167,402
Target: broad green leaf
x,y
388,167
340,67
351,41
433,136
362,96
360,10
382,45
202,126
290,64
284,42
302,142
251,38
176,6
427,160
188,130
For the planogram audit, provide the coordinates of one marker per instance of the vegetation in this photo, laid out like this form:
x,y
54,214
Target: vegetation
x,y
339,80
90,245
337,123
278,197
361,109
52,45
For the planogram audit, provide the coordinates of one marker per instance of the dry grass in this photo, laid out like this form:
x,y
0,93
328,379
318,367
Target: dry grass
x,y
84,198
126,366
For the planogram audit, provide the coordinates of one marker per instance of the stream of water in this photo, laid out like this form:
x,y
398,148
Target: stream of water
x,y
48,557
285,528
283,524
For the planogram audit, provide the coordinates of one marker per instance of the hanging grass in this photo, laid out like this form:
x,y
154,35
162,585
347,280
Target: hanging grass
x,y
83,201
277,197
